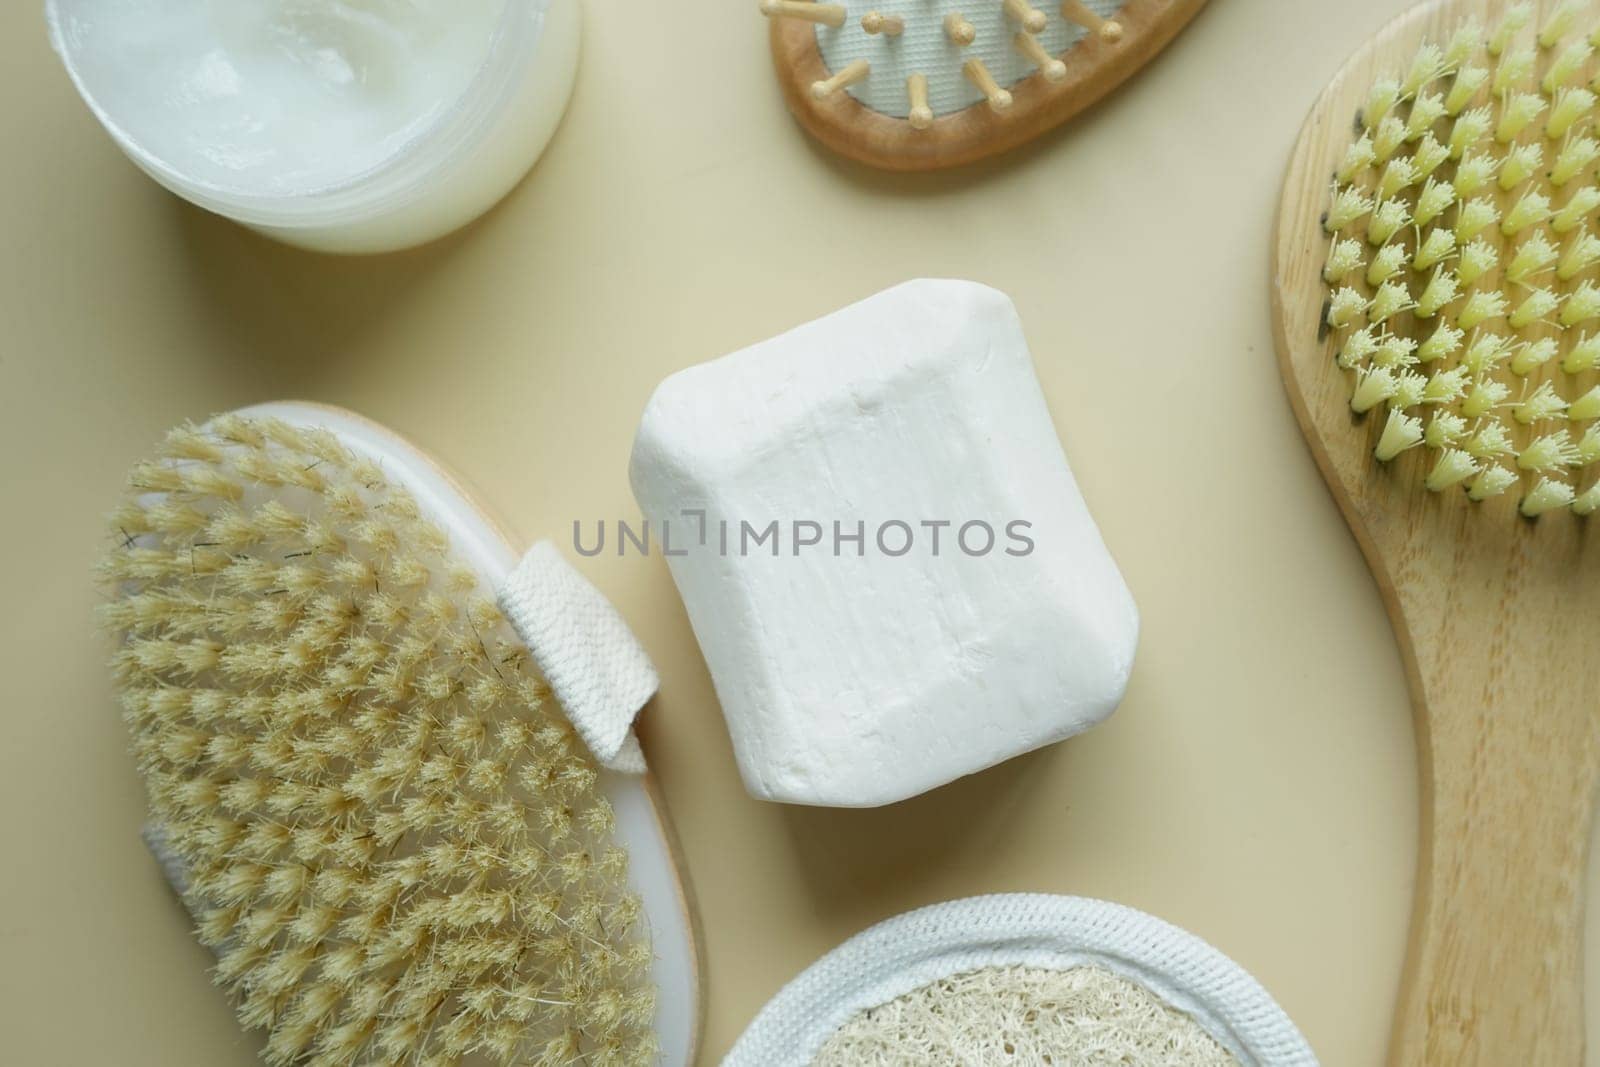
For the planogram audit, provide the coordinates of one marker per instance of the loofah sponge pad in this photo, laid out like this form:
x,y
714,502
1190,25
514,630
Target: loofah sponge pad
x,y
1012,978
1024,1015
388,832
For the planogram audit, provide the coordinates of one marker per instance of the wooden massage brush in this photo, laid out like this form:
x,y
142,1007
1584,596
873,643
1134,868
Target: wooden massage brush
x,y
1436,287
924,84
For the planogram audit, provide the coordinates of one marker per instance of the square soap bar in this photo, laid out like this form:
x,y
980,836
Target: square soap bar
x,y
884,555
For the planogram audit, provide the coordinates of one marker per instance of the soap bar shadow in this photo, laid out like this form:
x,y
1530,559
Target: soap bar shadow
x,y
855,856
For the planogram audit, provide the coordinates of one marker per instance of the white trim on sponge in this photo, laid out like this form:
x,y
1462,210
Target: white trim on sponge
x,y
1021,929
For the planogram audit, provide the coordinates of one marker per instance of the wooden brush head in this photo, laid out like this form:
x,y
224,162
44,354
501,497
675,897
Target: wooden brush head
x,y
1394,517
1023,69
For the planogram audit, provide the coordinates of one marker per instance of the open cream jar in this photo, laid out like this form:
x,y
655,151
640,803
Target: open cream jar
x,y
339,125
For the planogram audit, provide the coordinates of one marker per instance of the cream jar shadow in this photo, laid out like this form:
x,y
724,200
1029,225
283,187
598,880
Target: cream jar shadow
x,y
351,126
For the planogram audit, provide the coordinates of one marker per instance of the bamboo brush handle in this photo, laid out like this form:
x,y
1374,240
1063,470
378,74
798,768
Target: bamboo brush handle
x,y
1499,632
1494,973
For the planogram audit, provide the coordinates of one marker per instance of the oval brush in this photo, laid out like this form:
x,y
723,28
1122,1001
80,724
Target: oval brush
x,y
396,844
1437,313
923,84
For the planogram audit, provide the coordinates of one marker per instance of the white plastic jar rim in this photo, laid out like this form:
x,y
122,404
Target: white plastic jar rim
x,y
394,182
1042,931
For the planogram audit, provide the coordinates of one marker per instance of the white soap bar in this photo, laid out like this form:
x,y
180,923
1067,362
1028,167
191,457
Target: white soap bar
x,y
858,672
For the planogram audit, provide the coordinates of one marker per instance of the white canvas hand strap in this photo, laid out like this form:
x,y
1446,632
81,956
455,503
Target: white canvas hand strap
x,y
595,666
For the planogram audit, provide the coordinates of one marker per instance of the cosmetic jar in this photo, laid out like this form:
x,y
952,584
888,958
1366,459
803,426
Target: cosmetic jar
x,y
349,126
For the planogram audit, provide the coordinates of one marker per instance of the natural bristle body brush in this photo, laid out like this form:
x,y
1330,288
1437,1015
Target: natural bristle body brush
x,y
396,843
1436,293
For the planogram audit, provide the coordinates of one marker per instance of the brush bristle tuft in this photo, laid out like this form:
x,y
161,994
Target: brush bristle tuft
x,y
1464,273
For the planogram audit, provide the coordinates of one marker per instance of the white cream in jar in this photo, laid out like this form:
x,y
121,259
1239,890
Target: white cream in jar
x,y
344,125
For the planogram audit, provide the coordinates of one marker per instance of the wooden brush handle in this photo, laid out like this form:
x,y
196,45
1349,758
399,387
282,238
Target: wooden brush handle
x,y
1495,969
1499,630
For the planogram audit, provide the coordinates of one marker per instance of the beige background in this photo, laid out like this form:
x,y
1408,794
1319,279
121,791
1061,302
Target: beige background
x,y
1257,787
